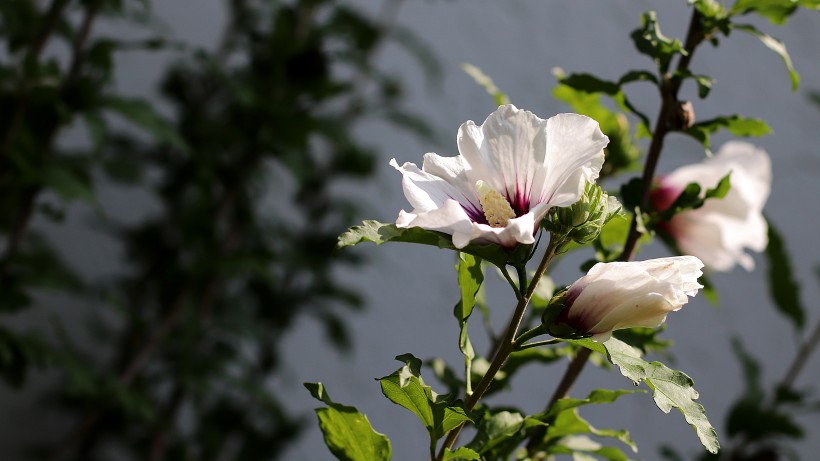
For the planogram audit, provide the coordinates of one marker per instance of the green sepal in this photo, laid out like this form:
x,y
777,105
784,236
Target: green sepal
x,y
379,233
347,433
670,388
550,316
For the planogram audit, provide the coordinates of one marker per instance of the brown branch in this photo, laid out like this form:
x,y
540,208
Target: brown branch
x,y
506,346
669,88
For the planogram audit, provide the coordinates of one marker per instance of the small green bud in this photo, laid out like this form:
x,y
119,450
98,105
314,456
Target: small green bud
x,y
582,221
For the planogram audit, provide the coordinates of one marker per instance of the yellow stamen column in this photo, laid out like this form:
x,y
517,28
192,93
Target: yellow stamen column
x,y
496,208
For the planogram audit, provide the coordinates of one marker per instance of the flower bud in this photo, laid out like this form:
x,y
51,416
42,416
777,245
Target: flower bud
x,y
619,295
583,220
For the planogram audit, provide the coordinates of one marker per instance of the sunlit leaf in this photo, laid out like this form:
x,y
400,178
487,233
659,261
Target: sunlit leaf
x,y
775,45
406,388
379,233
737,125
347,432
670,388
461,454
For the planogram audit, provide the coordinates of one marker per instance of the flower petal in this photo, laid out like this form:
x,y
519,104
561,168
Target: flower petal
x,y
721,230
574,157
506,151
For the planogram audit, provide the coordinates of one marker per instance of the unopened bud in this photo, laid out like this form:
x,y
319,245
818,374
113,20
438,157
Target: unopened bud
x,y
583,220
684,116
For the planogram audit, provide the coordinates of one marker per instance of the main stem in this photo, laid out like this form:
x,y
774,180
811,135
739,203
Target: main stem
x,y
669,87
506,346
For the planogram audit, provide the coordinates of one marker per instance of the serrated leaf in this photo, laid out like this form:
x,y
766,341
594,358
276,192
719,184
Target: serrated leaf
x,y
775,45
406,388
347,433
783,288
737,125
482,79
380,233
461,454
670,388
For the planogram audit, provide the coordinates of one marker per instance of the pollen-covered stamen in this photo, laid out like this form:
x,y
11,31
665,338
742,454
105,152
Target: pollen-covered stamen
x,y
496,208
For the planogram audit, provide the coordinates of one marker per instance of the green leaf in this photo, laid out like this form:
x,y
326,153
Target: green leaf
x,y
670,388
691,198
590,84
568,423
751,416
776,11
775,45
347,432
406,388
462,454
704,83
470,278
598,396
500,432
499,97
783,288
650,41
379,233
737,125
69,184
142,114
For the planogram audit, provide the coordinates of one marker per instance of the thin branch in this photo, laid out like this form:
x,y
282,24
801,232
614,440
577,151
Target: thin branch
x,y
505,347
801,359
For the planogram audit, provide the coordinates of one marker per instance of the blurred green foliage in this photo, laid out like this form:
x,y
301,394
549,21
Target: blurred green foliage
x,y
246,171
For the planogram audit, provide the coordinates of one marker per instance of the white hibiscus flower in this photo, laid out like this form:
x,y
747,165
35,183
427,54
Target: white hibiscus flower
x,y
720,230
620,295
511,170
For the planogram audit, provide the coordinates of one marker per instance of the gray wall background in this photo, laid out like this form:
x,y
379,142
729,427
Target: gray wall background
x,y
410,290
